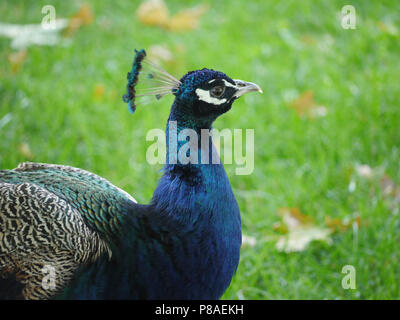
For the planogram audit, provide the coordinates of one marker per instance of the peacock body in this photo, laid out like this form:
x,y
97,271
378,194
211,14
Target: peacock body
x,y
102,244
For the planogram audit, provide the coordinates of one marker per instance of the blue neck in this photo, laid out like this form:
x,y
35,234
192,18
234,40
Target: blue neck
x,y
189,191
197,202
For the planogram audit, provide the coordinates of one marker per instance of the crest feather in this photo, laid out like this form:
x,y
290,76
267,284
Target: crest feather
x,y
147,79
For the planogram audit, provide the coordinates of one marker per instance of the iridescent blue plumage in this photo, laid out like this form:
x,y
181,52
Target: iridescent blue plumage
x,y
184,244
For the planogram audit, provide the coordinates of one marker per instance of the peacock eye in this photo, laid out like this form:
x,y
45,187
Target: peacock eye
x,y
217,91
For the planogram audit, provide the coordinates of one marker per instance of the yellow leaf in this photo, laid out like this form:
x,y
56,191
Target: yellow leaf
x,y
339,225
17,59
187,19
153,13
305,106
298,239
83,17
300,231
25,151
293,217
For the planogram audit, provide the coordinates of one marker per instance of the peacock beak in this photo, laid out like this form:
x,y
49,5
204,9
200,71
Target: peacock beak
x,y
245,87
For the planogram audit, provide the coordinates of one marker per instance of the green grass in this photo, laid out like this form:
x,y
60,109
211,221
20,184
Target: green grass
x,y
304,163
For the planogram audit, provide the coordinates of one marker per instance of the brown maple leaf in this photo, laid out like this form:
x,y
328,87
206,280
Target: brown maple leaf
x,y
305,106
83,17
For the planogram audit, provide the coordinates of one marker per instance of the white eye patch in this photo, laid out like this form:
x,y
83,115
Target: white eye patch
x,y
228,84
204,95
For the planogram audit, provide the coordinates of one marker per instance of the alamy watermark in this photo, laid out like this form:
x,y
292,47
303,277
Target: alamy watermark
x,y
349,280
188,147
49,277
348,19
49,20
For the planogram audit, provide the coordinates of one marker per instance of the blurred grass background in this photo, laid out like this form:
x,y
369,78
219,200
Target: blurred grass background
x,y
64,106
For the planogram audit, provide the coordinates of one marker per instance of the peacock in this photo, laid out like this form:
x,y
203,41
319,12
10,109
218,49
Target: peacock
x,y
66,233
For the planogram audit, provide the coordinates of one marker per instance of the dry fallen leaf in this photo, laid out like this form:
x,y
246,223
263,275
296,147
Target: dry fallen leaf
x,y
301,230
83,17
339,225
305,106
17,59
187,19
25,151
298,239
155,13
292,217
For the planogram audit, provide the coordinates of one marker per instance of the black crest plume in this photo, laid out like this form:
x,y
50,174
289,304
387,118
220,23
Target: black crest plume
x,y
133,77
154,81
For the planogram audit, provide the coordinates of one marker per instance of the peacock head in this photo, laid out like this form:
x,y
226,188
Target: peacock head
x,y
200,95
206,94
